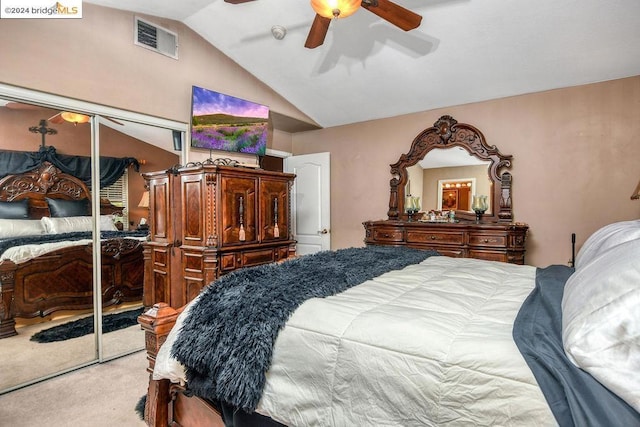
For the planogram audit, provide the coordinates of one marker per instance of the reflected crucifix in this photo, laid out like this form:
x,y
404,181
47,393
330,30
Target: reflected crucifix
x,y
43,130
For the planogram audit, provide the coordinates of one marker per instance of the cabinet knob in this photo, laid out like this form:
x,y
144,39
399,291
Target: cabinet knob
x,y
323,231
433,237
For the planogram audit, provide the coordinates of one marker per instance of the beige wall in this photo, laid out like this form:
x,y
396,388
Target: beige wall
x,y
575,150
76,140
94,59
575,161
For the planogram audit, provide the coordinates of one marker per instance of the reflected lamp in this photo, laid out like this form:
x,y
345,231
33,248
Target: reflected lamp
x,y
74,118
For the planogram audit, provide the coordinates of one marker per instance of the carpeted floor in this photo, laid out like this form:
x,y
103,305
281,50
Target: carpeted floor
x,y
24,360
102,395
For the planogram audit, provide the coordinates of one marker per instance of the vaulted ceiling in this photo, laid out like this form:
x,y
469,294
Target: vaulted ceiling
x,y
464,50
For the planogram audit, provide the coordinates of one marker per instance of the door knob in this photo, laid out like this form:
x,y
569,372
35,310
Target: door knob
x,y
323,231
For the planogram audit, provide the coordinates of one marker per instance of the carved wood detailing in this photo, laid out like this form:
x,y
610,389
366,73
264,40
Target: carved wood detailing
x,y
63,279
447,132
40,183
166,403
496,238
156,323
490,241
505,212
207,201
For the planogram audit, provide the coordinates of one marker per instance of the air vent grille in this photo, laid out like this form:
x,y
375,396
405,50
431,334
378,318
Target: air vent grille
x,y
156,38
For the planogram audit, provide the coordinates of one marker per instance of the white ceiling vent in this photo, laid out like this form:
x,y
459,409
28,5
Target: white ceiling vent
x,y
156,38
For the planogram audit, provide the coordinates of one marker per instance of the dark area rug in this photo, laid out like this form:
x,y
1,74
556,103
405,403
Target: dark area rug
x,y
140,406
84,326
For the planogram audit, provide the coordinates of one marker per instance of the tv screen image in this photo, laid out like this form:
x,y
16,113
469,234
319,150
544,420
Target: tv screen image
x,y
226,123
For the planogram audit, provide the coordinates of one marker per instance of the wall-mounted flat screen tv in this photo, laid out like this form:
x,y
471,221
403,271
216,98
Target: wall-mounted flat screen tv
x,y
226,123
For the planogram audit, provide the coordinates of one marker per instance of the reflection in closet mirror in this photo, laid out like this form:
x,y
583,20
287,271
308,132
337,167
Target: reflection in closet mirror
x,y
109,133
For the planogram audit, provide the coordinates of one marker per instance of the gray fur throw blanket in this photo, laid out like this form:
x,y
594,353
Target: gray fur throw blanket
x,y
226,342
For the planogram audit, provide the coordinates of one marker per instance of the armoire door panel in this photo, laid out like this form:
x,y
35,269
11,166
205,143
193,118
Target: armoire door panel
x,y
193,210
238,210
159,206
274,208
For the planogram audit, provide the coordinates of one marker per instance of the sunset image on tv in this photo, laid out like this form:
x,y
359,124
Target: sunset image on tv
x,y
223,122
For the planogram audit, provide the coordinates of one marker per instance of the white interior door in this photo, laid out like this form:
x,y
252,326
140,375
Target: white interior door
x,y
311,207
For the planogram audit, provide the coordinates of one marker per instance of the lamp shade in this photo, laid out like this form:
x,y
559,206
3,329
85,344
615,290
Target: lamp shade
x,y
335,8
74,117
144,201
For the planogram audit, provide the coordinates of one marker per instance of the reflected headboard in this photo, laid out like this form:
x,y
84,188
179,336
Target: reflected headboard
x,y
46,181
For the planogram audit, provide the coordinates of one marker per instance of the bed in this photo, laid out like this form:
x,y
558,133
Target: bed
x,y
399,336
45,239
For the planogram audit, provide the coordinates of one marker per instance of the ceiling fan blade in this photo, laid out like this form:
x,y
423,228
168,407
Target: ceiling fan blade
x,y
56,119
20,106
237,1
318,32
113,120
394,14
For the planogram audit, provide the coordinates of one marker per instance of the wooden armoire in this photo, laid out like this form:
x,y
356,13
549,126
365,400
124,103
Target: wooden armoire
x,y
206,220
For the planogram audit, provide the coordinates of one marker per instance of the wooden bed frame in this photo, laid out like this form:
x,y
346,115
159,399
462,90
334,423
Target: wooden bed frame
x,y
166,404
63,279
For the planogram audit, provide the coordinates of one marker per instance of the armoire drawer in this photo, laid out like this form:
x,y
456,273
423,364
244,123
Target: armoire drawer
x,y
233,260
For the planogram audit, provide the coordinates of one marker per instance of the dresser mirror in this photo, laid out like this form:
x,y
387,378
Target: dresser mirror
x,y
444,159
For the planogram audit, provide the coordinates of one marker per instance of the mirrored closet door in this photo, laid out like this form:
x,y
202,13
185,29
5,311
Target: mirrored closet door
x,y
73,299
149,148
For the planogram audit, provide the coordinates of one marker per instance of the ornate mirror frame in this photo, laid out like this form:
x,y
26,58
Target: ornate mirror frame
x,y
445,133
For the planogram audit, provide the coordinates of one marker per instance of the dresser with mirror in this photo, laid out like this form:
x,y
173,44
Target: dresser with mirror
x,y
432,193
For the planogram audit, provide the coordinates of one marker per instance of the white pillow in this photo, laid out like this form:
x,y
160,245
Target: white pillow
x,y
76,223
107,223
20,228
606,238
601,320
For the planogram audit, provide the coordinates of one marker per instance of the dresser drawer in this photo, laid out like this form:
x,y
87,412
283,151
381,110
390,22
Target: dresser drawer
x,y
388,235
436,237
495,241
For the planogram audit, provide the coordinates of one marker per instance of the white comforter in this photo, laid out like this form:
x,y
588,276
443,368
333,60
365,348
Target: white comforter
x,y
23,253
427,345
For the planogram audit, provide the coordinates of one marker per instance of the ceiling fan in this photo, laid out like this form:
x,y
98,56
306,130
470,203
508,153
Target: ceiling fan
x,y
59,118
332,9
75,118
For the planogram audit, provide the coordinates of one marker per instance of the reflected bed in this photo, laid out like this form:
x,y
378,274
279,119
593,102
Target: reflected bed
x,y
47,206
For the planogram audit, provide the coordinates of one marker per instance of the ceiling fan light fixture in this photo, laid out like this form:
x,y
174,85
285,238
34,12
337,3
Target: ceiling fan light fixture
x,y
335,8
74,118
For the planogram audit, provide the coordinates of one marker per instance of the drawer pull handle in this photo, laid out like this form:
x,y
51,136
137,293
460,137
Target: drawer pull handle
x,y
433,237
486,240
